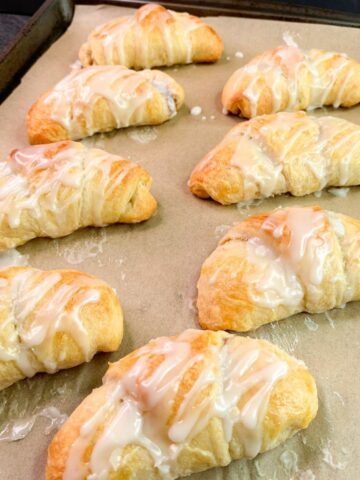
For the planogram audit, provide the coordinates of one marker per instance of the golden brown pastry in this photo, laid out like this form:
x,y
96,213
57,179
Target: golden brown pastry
x,y
274,154
54,320
153,37
100,99
288,78
279,263
182,405
53,190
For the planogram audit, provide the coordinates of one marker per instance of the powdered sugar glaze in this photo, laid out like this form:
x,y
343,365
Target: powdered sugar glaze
x,y
141,402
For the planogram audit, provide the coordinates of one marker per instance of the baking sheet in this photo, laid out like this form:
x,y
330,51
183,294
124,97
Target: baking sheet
x,y
154,266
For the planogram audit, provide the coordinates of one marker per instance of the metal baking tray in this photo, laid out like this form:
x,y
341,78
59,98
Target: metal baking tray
x,y
43,21
39,23
264,9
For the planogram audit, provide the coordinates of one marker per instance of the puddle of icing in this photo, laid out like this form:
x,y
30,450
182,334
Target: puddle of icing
x,y
310,324
12,257
339,192
19,429
143,134
220,230
83,248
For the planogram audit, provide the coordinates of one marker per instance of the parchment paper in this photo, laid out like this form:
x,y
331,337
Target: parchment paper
x,y
154,266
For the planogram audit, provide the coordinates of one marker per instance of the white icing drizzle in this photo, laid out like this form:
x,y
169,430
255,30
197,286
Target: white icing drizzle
x,y
248,204
336,223
141,403
35,180
143,134
220,230
272,280
281,69
306,475
12,258
329,319
328,458
73,99
351,243
328,155
19,429
289,39
289,461
308,246
50,307
348,136
196,110
173,27
339,192
311,324
286,258
260,172
77,251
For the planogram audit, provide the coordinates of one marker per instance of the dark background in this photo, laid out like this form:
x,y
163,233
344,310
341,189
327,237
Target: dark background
x,y
25,7
15,13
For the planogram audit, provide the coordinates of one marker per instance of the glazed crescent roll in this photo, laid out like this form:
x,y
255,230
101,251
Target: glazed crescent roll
x,y
184,404
54,320
274,154
101,99
153,37
288,78
53,190
279,263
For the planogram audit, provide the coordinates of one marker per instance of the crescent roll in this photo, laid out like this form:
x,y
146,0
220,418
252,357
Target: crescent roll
x,y
279,263
184,404
288,78
153,37
54,320
101,99
53,190
274,154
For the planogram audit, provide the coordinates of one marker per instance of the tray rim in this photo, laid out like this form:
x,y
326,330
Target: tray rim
x,y
263,9
59,14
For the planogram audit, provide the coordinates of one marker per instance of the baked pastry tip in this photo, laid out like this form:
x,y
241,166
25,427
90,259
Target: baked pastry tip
x,y
152,37
280,153
51,320
52,190
181,405
100,99
289,78
277,264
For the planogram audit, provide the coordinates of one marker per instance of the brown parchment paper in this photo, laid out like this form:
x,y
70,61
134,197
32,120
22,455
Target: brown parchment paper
x,y
154,266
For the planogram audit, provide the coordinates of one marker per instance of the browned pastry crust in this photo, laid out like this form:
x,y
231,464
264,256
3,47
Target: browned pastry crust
x,y
101,99
51,320
287,78
80,449
276,264
53,190
274,154
153,37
